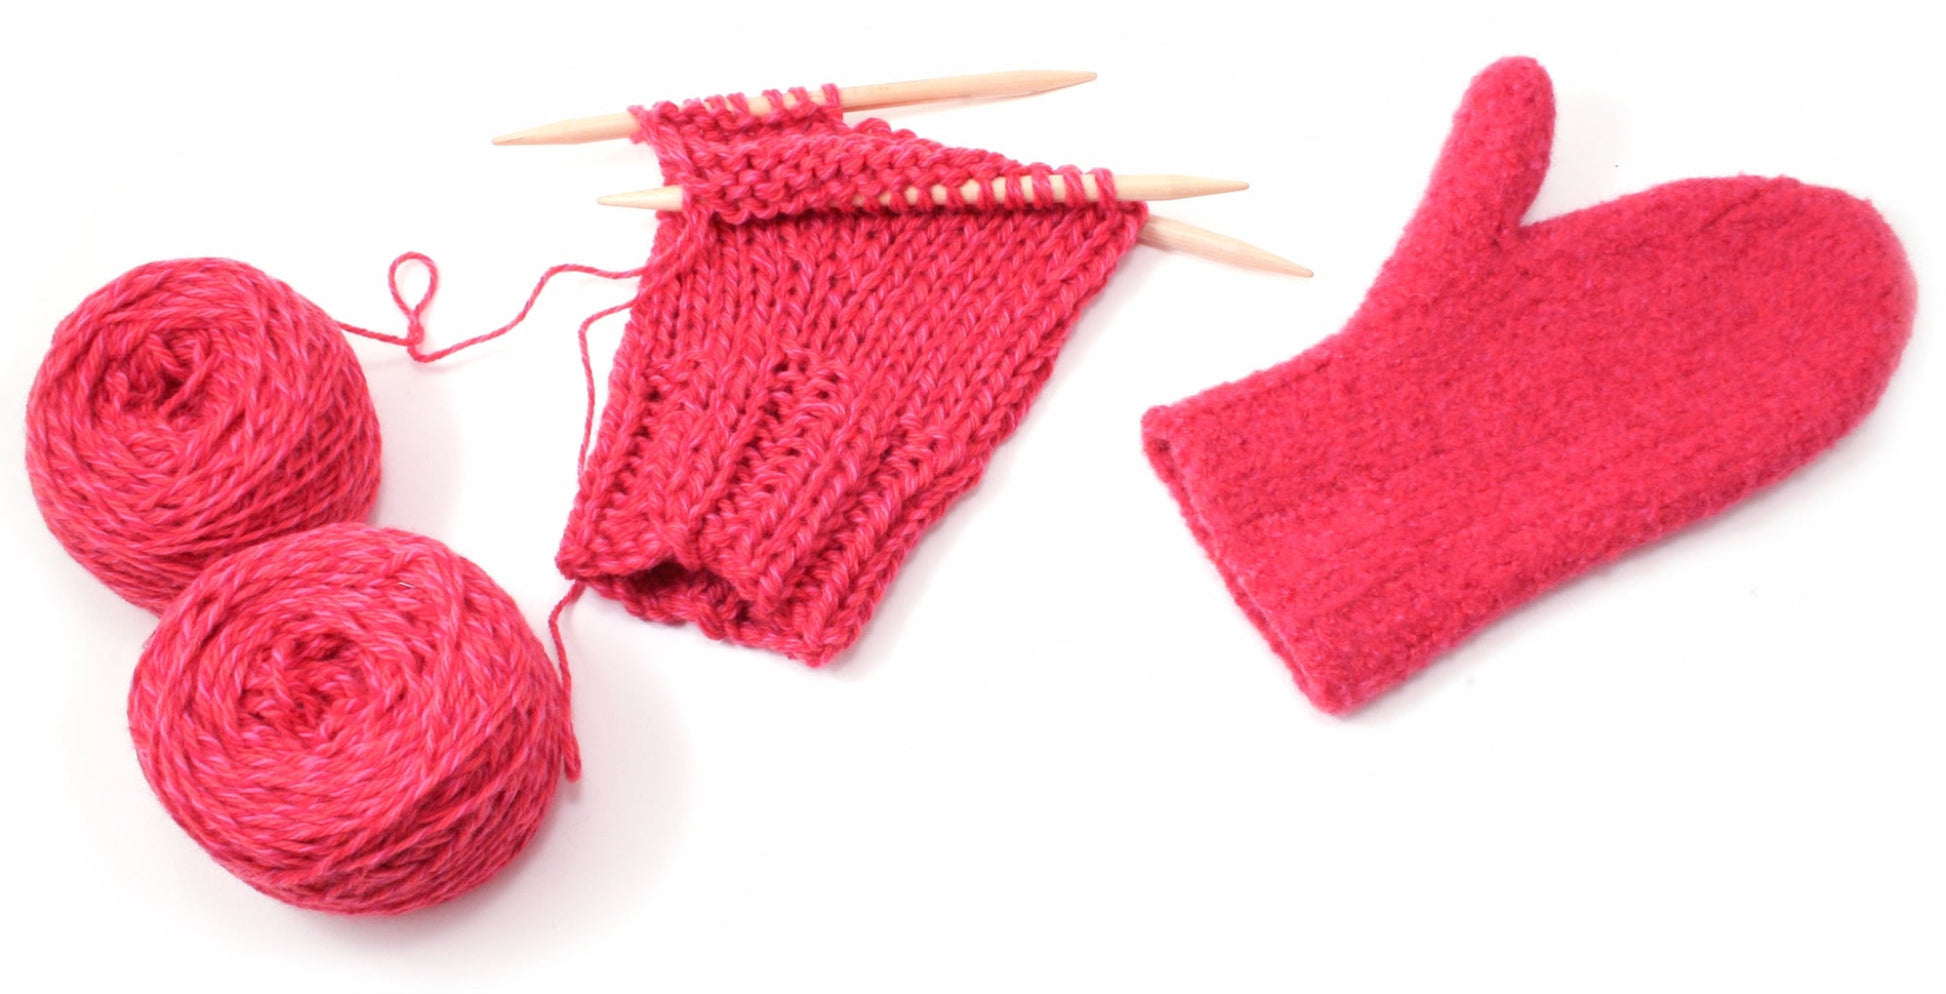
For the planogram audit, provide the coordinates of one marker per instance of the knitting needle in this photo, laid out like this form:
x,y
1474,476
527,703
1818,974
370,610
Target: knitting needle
x,y
1138,187
870,97
1160,232
1165,233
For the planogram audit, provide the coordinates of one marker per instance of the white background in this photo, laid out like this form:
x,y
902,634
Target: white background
x,y
1060,758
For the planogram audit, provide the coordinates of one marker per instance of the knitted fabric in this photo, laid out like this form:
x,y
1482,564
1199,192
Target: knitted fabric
x,y
1514,404
809,378
191,408
351,719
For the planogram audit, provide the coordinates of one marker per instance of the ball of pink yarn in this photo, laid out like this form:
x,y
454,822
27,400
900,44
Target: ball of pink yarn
x,y
351,719
191,408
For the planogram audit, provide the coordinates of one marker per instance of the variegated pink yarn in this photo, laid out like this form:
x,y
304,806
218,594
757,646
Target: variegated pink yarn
x,y
815,369
348,718
351,719
191,408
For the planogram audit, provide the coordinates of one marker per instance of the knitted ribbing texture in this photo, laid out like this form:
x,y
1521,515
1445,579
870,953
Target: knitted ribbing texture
x,y
809,378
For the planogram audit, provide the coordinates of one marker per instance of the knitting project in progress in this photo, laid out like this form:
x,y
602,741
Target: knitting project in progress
x,y
809,376
1516,403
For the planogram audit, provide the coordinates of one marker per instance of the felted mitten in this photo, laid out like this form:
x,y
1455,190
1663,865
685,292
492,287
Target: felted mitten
x,y
810,377
1513,404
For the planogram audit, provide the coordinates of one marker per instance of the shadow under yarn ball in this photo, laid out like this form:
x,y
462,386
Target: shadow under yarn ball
x,y
191,408
352,719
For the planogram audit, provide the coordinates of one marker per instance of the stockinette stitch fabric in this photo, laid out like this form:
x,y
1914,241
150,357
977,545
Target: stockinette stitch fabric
x,y
1516,403
351,719
809,376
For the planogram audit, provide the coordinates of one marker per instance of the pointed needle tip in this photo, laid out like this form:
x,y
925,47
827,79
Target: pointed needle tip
x,y
1062,79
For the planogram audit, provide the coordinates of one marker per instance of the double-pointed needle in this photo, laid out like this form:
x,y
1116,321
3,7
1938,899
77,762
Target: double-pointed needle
x,y
875,96
1157,231
1154,187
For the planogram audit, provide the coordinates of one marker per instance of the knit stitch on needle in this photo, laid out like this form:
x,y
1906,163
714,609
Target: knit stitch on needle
x,y
810,377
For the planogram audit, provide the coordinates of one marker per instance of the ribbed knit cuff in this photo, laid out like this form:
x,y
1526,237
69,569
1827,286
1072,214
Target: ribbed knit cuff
x,y
811,377
1298,524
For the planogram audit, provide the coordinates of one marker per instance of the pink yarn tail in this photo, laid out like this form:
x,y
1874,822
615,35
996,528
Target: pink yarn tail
x,y
415,313
572,747
414,343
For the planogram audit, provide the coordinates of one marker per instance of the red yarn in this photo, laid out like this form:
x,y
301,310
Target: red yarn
x,y
189,409
348,718
414,339
808,380
351,719
1514,404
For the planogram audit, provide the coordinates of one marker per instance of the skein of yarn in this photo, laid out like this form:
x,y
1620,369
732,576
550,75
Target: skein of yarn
x,y
352,719
191,408
349,718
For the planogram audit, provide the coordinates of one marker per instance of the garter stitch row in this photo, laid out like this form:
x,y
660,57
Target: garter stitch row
x,y
348,718
808,378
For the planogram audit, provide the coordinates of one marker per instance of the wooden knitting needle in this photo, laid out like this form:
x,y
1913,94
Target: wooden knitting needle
x,y
1165,233
1138,187
1160,232
871,97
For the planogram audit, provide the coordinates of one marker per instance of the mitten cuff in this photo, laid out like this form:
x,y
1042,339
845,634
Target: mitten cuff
x,y
1516,403
1257,485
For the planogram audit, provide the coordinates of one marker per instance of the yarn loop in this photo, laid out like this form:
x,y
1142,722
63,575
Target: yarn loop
x,y
348,718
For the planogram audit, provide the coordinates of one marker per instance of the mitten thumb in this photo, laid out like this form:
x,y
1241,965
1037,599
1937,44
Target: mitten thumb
x,y
1490,169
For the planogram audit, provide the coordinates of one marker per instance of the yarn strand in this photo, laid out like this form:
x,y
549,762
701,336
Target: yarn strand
x,y
414,338
415,322
414,341
351,719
